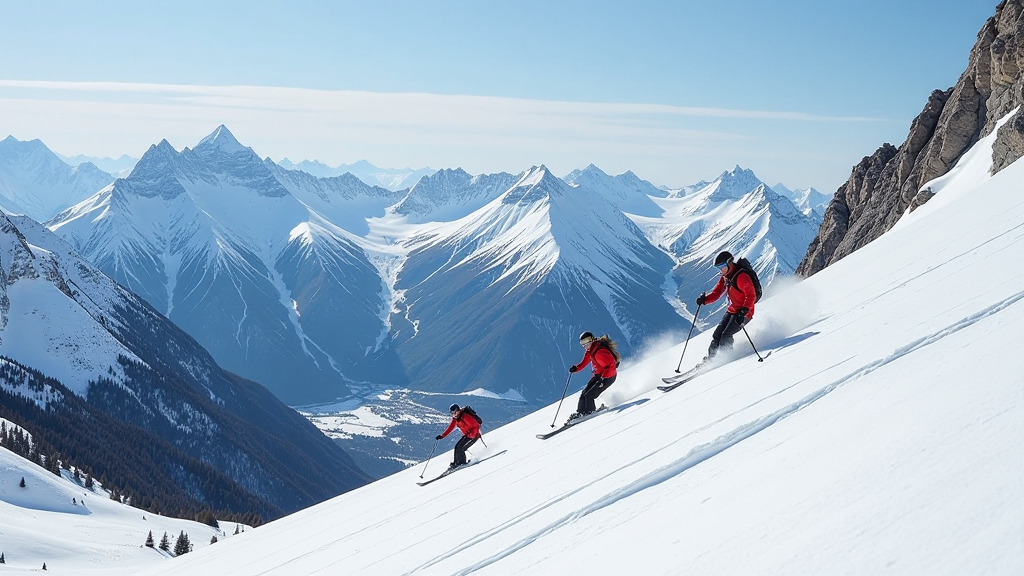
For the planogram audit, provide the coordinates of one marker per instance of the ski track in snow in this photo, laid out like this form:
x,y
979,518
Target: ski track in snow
x,y
701,453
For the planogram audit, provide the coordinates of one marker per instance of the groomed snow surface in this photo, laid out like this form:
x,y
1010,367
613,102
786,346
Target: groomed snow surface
x,y
882,435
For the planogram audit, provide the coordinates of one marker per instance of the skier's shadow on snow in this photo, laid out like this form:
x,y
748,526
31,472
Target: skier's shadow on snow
x,y
629,404
794,339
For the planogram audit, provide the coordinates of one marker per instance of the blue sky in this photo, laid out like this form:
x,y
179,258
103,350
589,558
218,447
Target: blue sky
x,y
799,91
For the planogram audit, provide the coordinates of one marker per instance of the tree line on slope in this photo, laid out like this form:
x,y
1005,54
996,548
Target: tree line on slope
x,y
135,466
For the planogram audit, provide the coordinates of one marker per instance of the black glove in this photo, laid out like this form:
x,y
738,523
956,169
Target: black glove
x,y
702,299
438,437
741,316
573,368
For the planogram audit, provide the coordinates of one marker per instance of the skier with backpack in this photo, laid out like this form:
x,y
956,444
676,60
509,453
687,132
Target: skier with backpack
x,y
469,424
602,354
739,282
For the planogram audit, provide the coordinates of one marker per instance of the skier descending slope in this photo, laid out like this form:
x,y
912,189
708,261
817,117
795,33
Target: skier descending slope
x,y
469,425
605,358
738,284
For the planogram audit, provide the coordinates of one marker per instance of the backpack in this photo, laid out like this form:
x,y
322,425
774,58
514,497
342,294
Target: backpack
x,y
471,412
743,265
606,343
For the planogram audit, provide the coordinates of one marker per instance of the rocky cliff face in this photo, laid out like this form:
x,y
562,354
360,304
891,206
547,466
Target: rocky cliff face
x,y
886,184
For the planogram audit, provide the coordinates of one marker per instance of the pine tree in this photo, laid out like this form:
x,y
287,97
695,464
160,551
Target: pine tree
x,y
165,543
182,546
213,539
2,561
236,528
22,483
149,540
88,480
44,565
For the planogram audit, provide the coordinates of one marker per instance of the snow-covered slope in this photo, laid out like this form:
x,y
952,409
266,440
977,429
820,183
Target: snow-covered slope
x,y
882,435
75,530
35,182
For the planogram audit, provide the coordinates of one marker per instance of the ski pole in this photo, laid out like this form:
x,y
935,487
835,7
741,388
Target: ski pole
x,y
428,459
759,359
564,390
688,338
482,441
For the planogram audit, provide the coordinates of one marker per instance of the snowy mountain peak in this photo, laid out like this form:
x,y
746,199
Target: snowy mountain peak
x,y
221,139
734,184
535,185
628,192
808,200
452,194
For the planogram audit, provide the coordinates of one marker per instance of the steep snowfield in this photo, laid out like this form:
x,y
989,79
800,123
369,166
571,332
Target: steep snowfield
x,y
882,435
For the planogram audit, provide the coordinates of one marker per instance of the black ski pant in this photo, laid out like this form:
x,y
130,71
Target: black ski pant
x,y
591,391
460,449
722,336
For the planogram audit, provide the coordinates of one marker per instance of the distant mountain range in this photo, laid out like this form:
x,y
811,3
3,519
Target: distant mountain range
x,y
322,287
37,183
391,178
119,167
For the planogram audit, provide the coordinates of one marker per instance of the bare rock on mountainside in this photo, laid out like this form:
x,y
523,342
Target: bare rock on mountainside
x,y
883,186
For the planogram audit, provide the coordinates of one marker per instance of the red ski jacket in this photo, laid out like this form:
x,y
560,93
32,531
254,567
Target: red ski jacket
x,y
741,293
604,360
466,423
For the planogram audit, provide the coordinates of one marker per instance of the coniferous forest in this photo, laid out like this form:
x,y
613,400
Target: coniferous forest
x,y
134,465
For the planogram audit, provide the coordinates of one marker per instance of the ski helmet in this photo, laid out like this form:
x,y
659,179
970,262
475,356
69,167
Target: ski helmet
x,y
586,338
723,258
453,408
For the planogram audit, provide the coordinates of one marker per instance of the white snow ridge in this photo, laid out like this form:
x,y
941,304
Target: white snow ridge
x,y
882,436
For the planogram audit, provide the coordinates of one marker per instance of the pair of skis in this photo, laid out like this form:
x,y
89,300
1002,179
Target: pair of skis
x,y
673,382
572,423
451,470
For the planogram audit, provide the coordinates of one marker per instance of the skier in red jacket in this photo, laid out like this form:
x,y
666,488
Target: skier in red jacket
x,y
741,293
605,358
470,428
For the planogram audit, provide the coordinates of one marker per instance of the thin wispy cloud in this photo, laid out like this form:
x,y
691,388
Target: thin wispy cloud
x,y
300,99
479,133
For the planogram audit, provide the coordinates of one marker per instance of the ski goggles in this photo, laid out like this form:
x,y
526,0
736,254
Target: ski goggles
x,y
722,266
586,342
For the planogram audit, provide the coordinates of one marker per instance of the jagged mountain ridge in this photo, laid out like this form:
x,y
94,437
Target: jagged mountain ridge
x,y
235,256
885,185
66,320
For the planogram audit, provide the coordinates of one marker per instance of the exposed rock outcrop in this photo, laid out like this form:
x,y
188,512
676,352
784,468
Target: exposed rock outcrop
x,y
885,185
